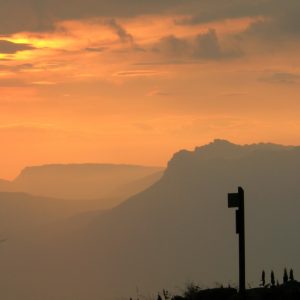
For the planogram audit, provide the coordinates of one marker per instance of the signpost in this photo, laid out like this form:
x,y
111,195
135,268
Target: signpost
x,y
236,200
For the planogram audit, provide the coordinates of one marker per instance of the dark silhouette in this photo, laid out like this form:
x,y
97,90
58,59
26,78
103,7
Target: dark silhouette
x,y
191,291
291,275
237,200
166,294
263,278
159,297
272,279
285,276
289,291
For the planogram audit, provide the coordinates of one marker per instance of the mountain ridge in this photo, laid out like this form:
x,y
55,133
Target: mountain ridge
x,y
84,181
225,149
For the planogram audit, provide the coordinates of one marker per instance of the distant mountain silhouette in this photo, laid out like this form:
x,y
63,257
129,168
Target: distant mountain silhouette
x,y
175,231
110,183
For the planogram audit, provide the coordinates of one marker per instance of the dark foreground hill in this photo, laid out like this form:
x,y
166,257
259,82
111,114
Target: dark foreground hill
x,y
176,231
288,291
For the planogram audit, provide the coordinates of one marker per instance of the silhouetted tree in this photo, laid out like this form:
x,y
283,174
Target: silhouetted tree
x,y
285,276
159,297
191,291
292,275
263,278
166,294
272,279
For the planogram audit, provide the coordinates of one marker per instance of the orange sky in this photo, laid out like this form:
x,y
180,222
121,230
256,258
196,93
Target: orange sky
x,y
136,89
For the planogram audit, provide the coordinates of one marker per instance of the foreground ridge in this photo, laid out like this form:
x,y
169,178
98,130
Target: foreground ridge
x,y
287,291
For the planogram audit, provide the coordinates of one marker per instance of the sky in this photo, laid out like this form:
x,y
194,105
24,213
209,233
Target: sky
x,y
133,81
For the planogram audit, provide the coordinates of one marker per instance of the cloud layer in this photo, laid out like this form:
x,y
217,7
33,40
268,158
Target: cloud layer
x,y
20,15
204,46
7,47
98,66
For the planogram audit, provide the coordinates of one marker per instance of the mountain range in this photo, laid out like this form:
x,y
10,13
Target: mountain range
x,y
99,186
175,231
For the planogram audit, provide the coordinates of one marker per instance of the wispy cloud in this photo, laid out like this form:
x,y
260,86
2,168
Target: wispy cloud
x,y
96,49
281,78
158,92
205,46
120,31
17,67
137,73
27,126
7,47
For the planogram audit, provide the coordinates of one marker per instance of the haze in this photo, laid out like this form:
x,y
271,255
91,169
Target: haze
x,y
134,81
124,124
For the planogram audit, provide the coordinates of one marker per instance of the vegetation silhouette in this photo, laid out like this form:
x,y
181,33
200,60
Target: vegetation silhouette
x,y
263,278
285,276
289,290
291,275
272,279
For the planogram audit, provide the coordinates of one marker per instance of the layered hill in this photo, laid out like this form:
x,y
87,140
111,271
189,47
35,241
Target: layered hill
x,y
107,183
177,230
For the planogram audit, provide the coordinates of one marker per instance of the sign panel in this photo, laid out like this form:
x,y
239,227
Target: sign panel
x,y
233,200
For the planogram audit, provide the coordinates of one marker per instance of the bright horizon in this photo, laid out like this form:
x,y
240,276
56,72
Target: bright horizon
x,y
15,172
133,84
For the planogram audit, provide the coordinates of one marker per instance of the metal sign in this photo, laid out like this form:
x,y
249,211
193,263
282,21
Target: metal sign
x,y
233,200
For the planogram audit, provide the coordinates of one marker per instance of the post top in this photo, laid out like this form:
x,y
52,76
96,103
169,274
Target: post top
x,y
236,199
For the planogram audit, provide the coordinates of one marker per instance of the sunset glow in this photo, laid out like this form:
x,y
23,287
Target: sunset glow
x,y
136,89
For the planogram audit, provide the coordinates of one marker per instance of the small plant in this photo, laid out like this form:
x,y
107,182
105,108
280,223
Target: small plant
x,y
272,279
166,294
285,276
291,275
191,291
263,278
